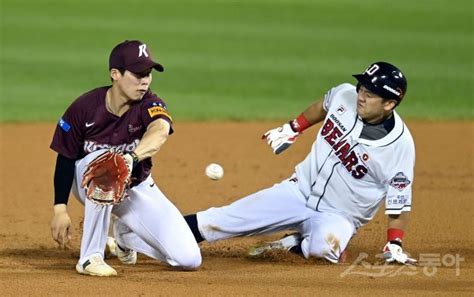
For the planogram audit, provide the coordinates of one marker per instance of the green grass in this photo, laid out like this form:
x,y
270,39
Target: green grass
x,y
239,60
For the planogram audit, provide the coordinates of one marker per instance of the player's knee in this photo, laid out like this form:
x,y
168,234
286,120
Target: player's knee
x,y
324,246
188,261
193,262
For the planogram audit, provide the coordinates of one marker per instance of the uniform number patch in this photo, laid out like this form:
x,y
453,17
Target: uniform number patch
x,y
400,181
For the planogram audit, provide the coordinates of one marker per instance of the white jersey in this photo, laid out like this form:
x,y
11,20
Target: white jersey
x,y
351,176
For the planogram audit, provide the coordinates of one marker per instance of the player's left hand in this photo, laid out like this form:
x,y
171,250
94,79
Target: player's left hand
x,y
393,253
107,177
280,138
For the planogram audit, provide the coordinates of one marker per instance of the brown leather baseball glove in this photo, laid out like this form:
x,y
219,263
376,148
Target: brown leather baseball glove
x,y
106,178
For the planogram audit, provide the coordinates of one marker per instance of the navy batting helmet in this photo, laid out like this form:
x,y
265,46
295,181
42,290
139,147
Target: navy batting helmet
x,y
383,79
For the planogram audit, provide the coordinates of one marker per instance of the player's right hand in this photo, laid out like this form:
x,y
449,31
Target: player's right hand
x,y
393,253
279,139
61,225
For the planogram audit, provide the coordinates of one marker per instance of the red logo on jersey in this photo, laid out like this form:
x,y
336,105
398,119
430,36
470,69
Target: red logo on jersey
x,y
349,160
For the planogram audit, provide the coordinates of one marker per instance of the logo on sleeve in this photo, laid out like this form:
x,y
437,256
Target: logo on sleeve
x,y
134,128
400,181
341,110
64,125
156,109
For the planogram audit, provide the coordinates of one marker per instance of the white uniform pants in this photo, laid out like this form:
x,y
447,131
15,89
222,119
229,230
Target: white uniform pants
x,y
147,222
283,206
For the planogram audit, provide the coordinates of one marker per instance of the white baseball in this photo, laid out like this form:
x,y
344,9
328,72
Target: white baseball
x,y
214,171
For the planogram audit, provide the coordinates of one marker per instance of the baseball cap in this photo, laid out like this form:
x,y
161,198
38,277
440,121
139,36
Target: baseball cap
x,y
134,56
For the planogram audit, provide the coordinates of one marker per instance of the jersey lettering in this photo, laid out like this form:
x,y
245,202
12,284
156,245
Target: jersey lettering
x,y
359,171
327,127
343,151
331,137
92,146
336,120
350,161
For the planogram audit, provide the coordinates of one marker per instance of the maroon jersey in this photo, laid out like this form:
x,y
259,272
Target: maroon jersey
x,y
88,126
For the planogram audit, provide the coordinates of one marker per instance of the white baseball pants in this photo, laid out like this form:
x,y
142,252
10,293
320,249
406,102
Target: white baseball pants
x,y
147,223
283,206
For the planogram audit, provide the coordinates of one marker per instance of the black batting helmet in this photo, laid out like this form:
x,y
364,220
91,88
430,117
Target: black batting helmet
x,y
383,79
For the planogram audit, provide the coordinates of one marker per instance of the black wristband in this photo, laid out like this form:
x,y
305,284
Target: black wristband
x,y
134,158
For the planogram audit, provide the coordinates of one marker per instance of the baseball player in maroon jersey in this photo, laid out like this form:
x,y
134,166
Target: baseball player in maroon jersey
x,y
126,116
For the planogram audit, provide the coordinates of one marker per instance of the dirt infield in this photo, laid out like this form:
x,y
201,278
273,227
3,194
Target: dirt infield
x,y
440,230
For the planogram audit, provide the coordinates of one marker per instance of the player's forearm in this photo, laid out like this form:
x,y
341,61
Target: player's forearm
x,y
63,179
399,221
153,139
315,113
396,227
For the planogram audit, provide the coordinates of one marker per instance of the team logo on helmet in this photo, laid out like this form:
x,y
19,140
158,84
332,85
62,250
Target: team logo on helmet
x,y
400,181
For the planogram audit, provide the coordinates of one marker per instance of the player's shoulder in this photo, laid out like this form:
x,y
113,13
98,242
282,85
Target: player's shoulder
x,y
87,102
400,137
407,137
151,99
344,88
343,93
155,107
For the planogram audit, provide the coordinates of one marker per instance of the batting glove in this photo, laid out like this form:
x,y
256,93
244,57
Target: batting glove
x,y
280,138
393,253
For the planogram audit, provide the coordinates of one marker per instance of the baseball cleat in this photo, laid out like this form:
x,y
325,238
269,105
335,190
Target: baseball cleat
x,y
128,257
110,248
286,243
95,266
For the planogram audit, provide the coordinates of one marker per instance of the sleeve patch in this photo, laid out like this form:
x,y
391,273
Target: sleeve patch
x,y
397,201
158,110
400,181
64,125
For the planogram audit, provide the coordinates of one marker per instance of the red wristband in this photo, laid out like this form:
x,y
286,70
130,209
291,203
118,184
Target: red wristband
x,y
395,234
300,124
